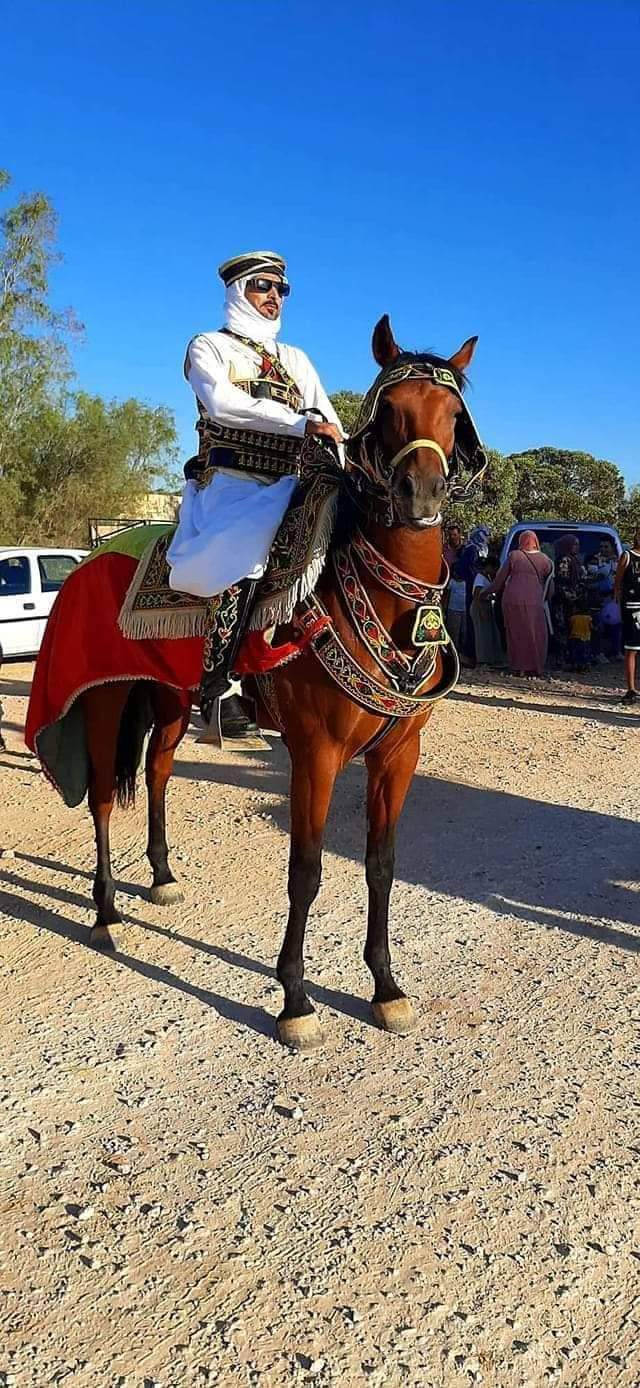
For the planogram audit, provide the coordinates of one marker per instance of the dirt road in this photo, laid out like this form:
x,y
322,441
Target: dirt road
x,y
183,1202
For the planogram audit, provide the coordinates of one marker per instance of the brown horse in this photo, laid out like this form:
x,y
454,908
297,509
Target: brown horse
x,y
413,436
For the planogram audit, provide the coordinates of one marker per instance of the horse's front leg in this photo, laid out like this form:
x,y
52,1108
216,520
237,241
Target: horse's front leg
x,y
390,774
313,776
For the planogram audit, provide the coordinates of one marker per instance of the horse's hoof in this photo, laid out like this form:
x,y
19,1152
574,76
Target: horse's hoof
x,y
300,1033
166,894
100,937
397,1016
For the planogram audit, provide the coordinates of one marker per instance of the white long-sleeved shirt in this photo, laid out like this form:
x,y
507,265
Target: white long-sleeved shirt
x,y
216,360
226,529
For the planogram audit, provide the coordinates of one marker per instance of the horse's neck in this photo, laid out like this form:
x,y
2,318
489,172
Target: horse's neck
x,y
416,552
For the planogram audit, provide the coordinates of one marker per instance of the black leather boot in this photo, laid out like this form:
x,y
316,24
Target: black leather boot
x,y
222,642
235,721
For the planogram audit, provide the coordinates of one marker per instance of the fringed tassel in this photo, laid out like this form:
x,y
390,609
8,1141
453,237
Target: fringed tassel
x,y
163,625
279,609
187,618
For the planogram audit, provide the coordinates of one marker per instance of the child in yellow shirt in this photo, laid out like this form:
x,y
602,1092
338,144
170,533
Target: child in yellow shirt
x,y
580,630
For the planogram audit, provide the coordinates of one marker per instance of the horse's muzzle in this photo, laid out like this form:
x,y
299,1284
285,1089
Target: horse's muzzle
x,y
418,495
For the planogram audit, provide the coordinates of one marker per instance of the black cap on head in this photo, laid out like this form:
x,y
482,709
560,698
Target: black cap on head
x,y
252,263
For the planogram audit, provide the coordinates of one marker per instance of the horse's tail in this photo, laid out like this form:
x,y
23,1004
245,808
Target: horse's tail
x,y
137,718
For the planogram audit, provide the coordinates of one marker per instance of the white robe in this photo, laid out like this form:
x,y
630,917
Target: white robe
x,y
226,529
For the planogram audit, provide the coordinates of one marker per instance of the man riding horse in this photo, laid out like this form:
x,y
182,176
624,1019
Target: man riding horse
x,y
243,379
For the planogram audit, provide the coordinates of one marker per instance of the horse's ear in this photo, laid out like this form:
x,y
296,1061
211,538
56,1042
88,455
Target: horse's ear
x,y
462,357
383,344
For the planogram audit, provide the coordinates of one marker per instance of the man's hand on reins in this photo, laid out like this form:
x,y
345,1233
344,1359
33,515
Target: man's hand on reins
x,y
327,431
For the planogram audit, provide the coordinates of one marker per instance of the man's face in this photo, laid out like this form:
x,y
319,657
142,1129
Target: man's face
x,y
455,537
263,294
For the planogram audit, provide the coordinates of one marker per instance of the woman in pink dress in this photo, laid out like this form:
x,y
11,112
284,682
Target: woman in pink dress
x,y
523,581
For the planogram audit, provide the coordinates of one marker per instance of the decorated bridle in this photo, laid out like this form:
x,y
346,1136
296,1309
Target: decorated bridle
x,y
370,473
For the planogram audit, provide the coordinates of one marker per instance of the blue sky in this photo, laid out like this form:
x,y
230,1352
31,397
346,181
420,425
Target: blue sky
x,y
469,166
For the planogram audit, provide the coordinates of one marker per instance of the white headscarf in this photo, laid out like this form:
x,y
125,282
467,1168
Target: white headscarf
x,y
241,317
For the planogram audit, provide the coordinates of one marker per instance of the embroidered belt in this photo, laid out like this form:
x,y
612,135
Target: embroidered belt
x,y
244,450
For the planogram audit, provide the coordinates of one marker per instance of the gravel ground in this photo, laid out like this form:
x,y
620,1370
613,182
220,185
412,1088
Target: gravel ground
x,y
184,1202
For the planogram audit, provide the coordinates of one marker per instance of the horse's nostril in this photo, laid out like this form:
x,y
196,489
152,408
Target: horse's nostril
x,y
408,486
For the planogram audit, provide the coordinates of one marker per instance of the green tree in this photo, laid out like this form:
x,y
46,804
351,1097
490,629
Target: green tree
x,y
491,501
558,484
64,455
629,517
92,458
34,337
346,404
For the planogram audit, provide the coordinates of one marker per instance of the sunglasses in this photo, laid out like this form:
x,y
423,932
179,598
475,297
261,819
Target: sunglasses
x,y
260,286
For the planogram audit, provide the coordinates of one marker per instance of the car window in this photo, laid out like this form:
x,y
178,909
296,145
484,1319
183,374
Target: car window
x,y
15,576
54,568
590,540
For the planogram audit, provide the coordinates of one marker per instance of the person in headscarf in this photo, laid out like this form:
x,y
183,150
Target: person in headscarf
x,y
476,549
243,378
570,588
524,582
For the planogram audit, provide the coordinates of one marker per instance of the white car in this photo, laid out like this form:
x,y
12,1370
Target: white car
x,y
29,581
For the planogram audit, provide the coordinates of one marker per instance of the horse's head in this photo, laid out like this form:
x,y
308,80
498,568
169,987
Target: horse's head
x,y
409,431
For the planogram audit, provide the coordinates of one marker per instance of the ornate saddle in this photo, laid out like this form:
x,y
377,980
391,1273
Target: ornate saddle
x,y
153,610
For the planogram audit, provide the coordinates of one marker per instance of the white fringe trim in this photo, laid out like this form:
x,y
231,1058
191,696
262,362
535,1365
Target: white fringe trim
x,y
280,608
163,625
158,624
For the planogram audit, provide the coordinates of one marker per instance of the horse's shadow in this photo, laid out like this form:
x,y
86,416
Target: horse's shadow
x,y
13,687
256,1019
456,839
551,866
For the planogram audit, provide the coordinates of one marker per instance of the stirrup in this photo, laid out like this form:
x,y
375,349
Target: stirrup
x,y
212,733
249,740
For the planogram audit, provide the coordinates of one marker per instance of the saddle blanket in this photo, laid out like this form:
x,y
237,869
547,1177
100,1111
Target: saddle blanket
x,y
154,610
84,646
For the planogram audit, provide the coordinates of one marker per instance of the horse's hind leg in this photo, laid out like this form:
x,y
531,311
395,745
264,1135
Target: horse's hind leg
x,y
312,781
103,708
171,710
390,773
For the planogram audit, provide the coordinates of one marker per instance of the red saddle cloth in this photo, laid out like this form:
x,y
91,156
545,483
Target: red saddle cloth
x,y
83,646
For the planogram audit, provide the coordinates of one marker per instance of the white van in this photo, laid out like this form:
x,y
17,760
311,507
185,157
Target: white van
x,y
29,581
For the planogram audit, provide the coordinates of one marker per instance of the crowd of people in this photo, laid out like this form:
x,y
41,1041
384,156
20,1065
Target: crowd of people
x,y
543,607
